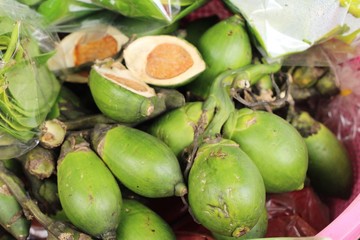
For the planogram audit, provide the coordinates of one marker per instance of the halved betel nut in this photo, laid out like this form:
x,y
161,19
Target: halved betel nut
x,y
163,60
121,96
86,46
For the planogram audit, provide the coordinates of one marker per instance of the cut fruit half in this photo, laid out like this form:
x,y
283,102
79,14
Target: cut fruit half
x,y
163,60
119,75
86,46
121,96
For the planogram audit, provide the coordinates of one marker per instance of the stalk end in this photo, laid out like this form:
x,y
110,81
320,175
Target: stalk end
x,y
52,133
180,189
110,235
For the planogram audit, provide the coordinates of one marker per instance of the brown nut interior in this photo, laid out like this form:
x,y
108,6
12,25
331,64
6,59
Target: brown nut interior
x,y
89,51
167,61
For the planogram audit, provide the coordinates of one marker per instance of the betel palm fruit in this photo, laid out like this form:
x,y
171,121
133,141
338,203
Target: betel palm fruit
x,y
330,168
140,222
86,46
177,128
274,145
140,161
121,96
226,191
88,192
225,45
163,60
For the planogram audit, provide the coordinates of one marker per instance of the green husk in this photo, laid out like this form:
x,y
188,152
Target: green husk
x,y
142,162
224,46
148,224
273,144
93,202
123,98
55,228
177,128
196,28
226,191
330,168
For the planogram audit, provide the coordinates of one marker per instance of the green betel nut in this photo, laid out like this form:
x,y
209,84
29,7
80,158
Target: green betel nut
x,y
121,96
273,144
142,162
140,222
88,192
225,45
226,191
177,127
330,168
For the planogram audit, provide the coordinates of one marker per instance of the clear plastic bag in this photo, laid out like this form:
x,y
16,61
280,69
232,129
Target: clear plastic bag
x,y
342,113
285,27
163,10
59,11
28,89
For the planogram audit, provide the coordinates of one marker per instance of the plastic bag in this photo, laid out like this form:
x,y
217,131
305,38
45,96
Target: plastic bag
x,y
127,25
308,22
58,11
342,113
296,214
163,10
28,89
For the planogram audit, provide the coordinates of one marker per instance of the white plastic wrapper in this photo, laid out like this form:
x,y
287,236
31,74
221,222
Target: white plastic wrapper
x,y
284,27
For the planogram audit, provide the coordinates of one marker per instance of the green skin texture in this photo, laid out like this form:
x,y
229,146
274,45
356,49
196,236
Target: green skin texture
x,y
140,222
223,46
176,128
142,162
258,231
274,145
119,103
226,191
9,208
89,193
195,29
330,169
